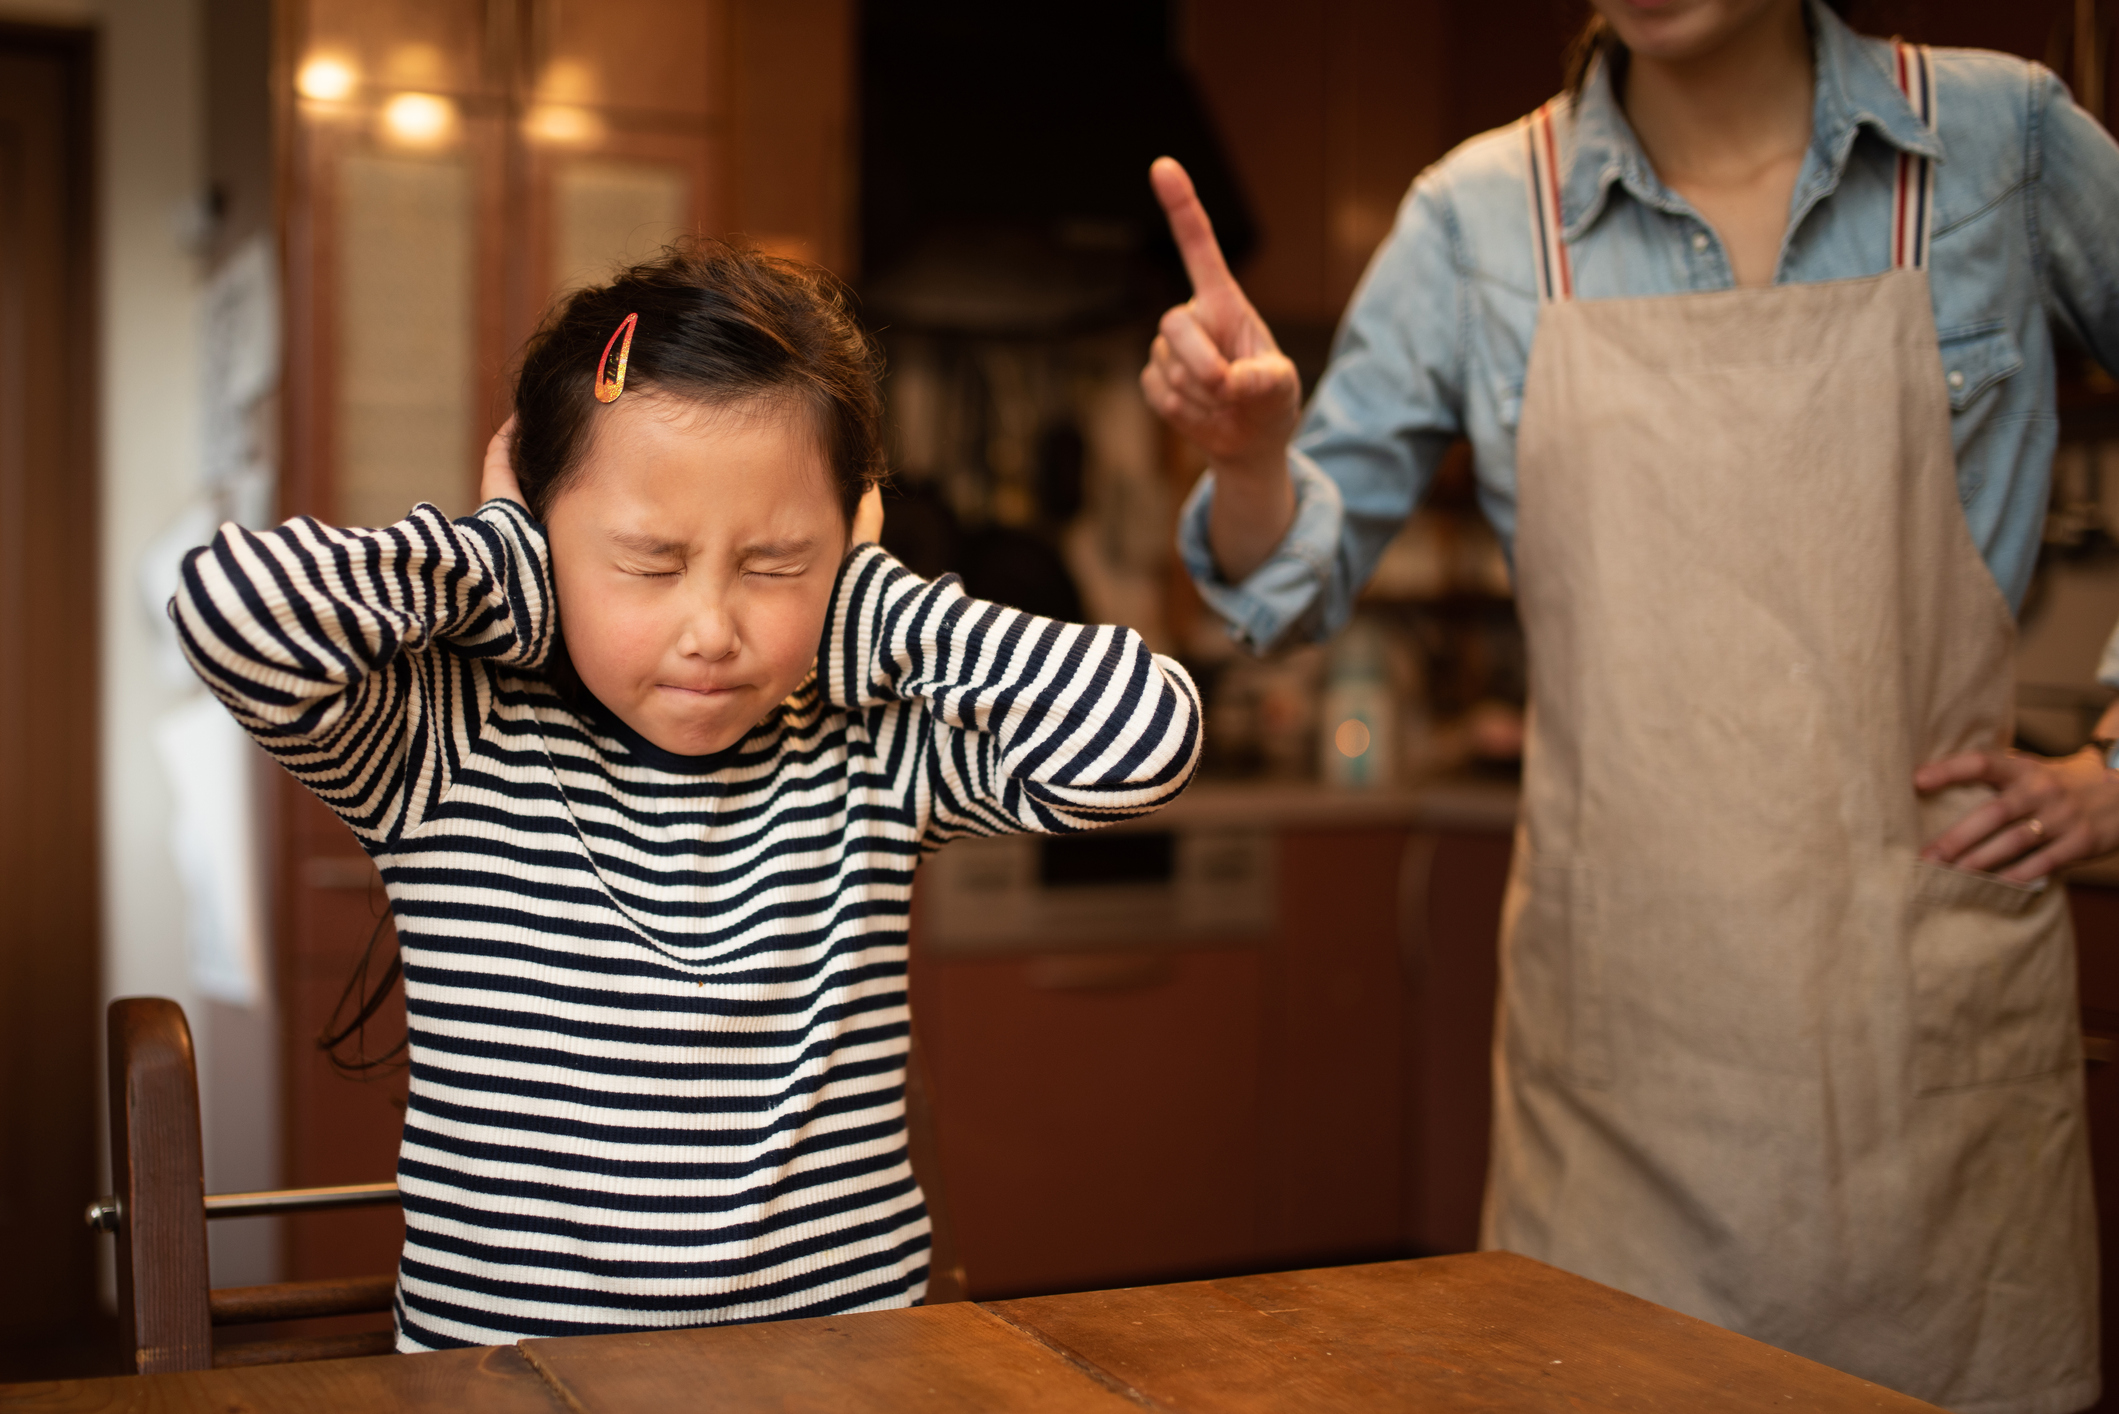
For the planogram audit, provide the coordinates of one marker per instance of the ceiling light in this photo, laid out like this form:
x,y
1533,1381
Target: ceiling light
x,y
419,119
326,78
561,123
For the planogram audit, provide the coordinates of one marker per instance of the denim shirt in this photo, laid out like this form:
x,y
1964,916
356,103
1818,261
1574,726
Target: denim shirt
x,y
2025,235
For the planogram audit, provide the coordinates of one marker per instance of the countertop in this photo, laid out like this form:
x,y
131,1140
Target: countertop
x,y
1447,803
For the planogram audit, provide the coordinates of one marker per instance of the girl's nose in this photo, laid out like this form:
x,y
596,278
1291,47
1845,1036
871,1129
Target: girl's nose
x,y
709,631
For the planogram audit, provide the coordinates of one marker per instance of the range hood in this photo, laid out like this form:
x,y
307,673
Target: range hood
x,y
1005,165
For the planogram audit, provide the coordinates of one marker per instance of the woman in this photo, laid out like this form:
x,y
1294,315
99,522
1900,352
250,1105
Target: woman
x,y
1751,333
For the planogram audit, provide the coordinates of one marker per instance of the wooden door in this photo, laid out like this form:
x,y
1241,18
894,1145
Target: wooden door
x,y
448,167
48,913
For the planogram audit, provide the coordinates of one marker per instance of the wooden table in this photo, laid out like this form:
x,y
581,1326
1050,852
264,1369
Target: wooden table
x,y
1483,1331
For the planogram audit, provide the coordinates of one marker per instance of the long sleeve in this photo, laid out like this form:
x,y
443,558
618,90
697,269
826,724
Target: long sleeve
x,y
1386,411
1038,725
2077,240
363,660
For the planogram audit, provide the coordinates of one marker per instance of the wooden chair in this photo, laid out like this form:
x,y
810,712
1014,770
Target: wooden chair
x,y
160,1208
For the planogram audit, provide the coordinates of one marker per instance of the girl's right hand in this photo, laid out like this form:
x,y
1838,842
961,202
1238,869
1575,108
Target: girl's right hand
x,y
1214,372
496,481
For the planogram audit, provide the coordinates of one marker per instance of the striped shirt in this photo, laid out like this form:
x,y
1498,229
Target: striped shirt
x,y
657,1003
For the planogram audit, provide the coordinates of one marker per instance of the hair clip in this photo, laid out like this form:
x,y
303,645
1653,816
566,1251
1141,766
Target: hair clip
x,y
607,390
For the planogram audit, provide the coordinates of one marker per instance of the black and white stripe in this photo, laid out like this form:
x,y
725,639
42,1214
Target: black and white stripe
x,y
658,1003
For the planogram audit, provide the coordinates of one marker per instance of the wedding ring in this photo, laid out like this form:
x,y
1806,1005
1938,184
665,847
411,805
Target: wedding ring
x,y
2036,826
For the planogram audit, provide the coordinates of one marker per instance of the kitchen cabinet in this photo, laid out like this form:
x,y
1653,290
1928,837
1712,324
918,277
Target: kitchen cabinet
x,y
1131,1104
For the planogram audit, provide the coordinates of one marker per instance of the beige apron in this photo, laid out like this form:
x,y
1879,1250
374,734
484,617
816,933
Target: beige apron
x,y
1756,1060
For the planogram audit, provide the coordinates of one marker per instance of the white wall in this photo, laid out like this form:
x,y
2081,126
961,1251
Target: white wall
x,y
151,159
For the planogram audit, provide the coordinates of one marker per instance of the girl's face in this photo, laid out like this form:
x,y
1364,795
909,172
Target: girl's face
x,y
1677,31
695,557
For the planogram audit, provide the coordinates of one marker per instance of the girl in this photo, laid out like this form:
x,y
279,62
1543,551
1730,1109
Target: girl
x,y
1751,332
646,751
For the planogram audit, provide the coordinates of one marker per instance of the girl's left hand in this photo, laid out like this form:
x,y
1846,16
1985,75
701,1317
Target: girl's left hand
x,y
496,481
2050,812
868,518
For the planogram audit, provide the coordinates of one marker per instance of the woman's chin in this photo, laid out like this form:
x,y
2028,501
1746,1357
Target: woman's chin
x,y
1680,31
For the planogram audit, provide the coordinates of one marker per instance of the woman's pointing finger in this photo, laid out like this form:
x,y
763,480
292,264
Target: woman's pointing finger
x,y
1192,230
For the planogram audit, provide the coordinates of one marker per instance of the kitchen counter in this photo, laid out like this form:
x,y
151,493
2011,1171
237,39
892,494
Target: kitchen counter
x,y
1446,803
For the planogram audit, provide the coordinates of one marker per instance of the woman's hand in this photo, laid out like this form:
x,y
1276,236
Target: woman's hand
x,y
2050,812
496,481
1215,374
868,518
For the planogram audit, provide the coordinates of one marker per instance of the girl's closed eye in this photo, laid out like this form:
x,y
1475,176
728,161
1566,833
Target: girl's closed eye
x,y
791,561
647,556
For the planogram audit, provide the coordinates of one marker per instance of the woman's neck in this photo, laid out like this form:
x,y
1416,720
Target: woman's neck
x,y
1726,127
1721,113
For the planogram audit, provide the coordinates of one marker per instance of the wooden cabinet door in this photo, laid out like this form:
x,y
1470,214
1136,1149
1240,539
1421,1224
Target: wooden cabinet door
x,y
1097,1114
1318,1096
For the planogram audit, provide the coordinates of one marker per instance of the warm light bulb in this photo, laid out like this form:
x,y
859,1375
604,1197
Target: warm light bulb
x,y
559,123
419,119
326,78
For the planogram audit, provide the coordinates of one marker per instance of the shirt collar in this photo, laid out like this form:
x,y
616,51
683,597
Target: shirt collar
x,y
1855,89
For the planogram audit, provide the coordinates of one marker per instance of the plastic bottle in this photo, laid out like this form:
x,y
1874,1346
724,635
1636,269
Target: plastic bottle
x,y
1358,721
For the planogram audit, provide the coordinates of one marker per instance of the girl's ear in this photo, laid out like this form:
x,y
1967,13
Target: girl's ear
x,y
868,518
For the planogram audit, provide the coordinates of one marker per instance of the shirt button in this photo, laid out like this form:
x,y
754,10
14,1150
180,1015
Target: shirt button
x,y
1699,240
1956,378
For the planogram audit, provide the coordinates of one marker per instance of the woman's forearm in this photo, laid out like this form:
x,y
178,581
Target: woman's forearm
x,y
1252,509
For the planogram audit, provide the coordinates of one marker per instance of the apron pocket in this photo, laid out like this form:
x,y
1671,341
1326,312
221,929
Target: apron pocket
x,y
1551,986
1992,979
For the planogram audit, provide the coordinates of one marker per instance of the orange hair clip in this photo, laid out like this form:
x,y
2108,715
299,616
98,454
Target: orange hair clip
x,y
607,390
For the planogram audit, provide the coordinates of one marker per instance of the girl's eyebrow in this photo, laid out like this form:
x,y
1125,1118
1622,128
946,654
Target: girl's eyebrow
x,y
643,543
776,549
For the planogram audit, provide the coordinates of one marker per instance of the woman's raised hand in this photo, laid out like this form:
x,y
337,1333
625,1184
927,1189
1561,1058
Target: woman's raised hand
x,y
1214,372
496,481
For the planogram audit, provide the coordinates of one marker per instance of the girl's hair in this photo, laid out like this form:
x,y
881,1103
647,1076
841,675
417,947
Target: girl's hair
x,y
719,324
1596,41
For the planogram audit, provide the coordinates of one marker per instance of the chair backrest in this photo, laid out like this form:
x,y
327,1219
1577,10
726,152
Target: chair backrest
x,y
158,1176
159,1208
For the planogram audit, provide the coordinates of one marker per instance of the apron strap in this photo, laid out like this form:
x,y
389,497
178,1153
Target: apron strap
x,y
1548,240
1913,200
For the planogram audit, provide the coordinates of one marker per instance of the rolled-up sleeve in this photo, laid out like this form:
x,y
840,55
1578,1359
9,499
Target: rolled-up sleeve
x,y
1290,595
1383,415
